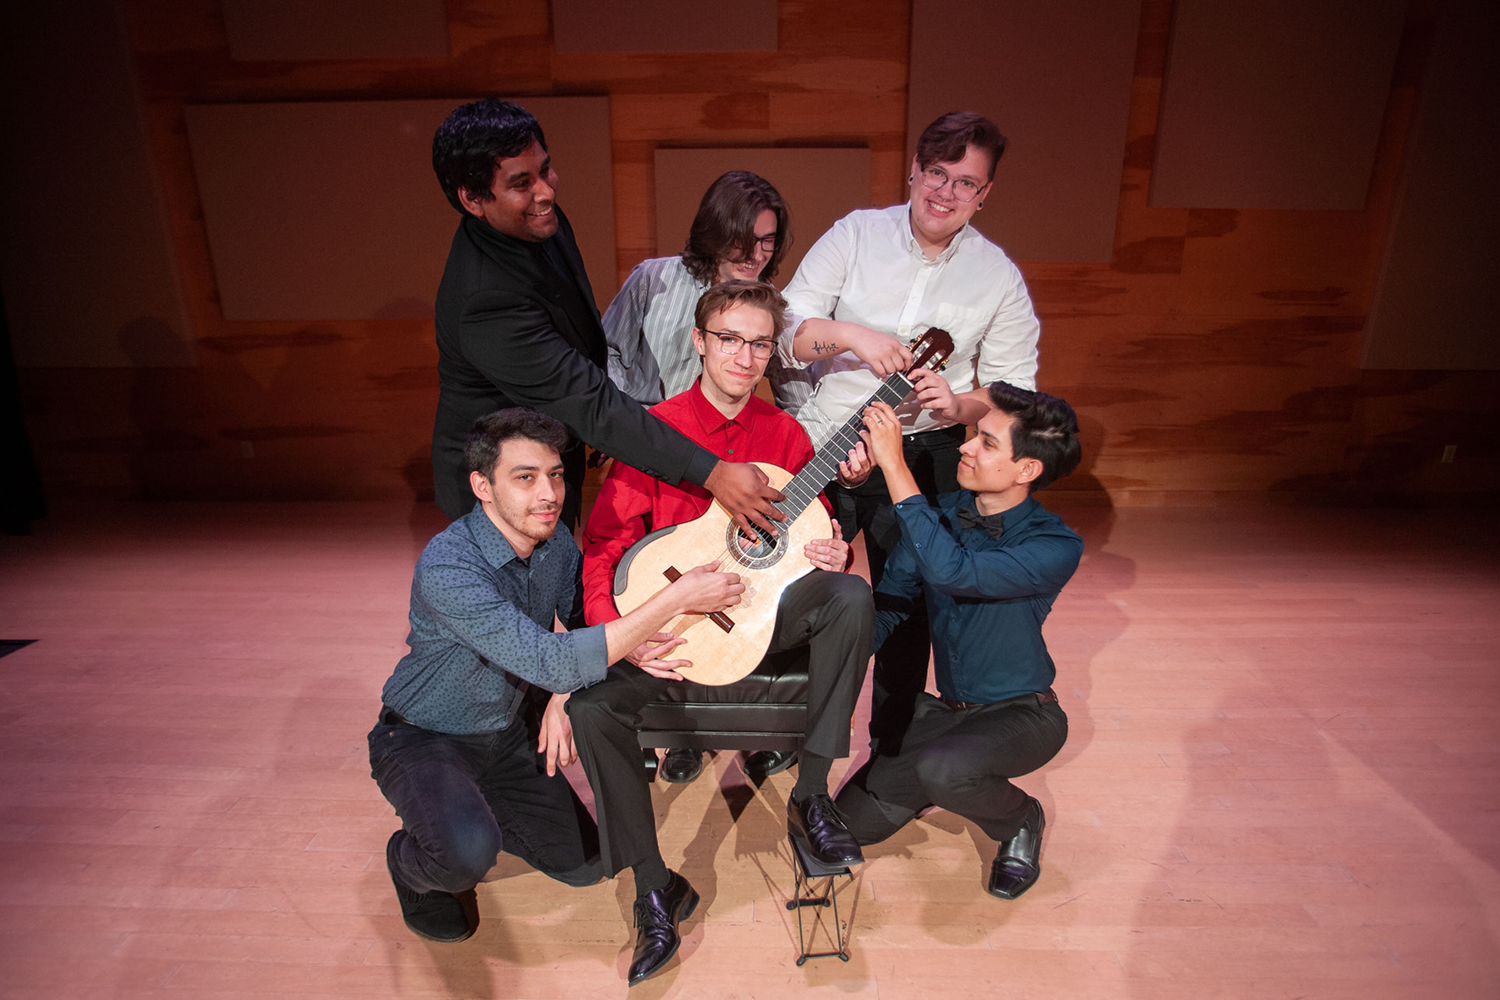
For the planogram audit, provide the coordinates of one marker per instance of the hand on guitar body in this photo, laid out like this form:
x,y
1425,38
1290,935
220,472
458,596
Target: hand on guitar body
x,y
831,554
701,590
746,493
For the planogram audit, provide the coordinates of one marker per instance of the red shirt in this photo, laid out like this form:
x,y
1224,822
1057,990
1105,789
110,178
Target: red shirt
x,y
632,504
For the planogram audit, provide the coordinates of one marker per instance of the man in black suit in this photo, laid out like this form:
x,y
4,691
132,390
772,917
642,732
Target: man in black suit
x,y
517,324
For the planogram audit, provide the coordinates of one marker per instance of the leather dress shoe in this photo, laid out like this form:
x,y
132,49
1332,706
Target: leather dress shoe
x,y
437,915
764,763
817,822
1018,864
657,915
681,765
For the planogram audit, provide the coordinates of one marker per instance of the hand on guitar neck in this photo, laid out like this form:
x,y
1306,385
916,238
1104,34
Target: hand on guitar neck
x,y
701,590
882,436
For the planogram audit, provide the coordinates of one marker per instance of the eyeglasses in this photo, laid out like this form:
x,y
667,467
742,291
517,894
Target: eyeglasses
x,y
730,343
768,243
936,177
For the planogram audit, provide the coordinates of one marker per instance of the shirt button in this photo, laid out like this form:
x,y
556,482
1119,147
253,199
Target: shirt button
x,y
731,451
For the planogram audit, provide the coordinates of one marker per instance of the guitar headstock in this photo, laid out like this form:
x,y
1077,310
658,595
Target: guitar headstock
x,y
931,350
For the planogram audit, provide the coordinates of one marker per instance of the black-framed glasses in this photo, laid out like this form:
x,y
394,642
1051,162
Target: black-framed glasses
x,y
733,343
767,243
936,177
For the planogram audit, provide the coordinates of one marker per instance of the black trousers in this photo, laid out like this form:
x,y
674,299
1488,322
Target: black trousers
x,y
829,613
901,662
464,799
959,759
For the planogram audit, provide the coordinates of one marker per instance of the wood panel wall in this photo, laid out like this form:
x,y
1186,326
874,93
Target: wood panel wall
x,y
1214,357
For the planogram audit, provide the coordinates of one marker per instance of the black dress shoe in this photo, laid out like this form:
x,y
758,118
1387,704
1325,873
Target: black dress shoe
x,y
437,915
1018,864
681,765
817,822
657,915
764,763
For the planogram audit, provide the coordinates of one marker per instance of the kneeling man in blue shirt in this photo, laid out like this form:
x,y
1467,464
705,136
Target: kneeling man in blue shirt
x,y
989,561
469,773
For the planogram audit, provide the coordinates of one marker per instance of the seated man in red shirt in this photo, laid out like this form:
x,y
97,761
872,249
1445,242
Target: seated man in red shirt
x,y
827,610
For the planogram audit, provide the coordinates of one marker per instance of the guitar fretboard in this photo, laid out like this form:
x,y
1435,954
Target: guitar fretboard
x,y
805,486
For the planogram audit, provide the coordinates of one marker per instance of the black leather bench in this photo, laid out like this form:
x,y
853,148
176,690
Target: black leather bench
x,y
765,711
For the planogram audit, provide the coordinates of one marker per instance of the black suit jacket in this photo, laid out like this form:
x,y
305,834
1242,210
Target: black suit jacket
x,y
512,331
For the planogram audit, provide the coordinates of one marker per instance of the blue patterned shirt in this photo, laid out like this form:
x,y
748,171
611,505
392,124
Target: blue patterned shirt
x,y
481,629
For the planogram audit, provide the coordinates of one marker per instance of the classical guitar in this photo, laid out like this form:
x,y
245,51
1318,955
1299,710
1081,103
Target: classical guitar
x,y
726,646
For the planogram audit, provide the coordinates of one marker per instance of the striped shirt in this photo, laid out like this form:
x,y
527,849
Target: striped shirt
x,y
649,328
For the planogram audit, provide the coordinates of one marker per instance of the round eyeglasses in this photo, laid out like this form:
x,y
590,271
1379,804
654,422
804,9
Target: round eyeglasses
x,y
936,178
731,343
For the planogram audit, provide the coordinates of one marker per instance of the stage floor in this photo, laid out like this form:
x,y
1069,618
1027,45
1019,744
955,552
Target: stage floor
x,y
1282,780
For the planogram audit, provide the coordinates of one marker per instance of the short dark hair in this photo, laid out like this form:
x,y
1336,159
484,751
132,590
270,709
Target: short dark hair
x,y
473,138
741,292
1045,428
725,225
948,139
491,431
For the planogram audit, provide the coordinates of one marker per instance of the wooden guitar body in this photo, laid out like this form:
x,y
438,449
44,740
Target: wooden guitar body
x,y
726,647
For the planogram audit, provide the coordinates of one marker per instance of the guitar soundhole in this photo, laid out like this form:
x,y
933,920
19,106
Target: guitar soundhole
x,y
757,552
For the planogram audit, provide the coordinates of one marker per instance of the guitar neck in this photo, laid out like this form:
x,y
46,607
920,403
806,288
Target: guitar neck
x,y
805,486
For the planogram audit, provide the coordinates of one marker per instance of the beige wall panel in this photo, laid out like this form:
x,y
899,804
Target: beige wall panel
x,y
1437,302
331,211
819,186
1056,78
1275,103
86,258
262,30
664,26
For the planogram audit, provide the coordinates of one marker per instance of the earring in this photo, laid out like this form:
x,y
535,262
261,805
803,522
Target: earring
x,y
910,178
981,205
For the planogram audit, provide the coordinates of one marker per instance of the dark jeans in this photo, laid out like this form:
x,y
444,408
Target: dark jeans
x,y
464,799
961,760
901,662
829,613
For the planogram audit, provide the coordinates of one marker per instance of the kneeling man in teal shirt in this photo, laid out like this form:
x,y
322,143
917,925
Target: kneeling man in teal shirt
x,y
989,561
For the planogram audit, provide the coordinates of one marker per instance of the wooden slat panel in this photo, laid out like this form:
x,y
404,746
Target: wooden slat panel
x,y
819,186
663,26
1056,78
86,260
1274,104
335,29
1438,299
356,226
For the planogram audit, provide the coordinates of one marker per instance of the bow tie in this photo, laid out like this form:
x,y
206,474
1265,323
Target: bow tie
x,y
994,524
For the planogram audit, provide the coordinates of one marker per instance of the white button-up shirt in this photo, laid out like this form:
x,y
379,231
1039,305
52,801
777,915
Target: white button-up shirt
x,y
868,269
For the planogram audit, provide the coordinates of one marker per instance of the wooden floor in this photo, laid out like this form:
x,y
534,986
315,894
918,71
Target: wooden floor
x,y
1283,780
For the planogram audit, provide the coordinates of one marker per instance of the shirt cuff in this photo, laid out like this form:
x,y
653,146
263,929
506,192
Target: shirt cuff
x,y
784,343
592,653
699,468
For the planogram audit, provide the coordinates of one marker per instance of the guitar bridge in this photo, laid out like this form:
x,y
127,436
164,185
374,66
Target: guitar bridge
x,y
719,618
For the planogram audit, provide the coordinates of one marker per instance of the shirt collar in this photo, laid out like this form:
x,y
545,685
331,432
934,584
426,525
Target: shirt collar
x,y
916,248
1014,517
707,414
493,545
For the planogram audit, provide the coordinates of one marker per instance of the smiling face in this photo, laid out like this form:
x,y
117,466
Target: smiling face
x,y
937,215
989,468
750,268
524,493
729,379
522,195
